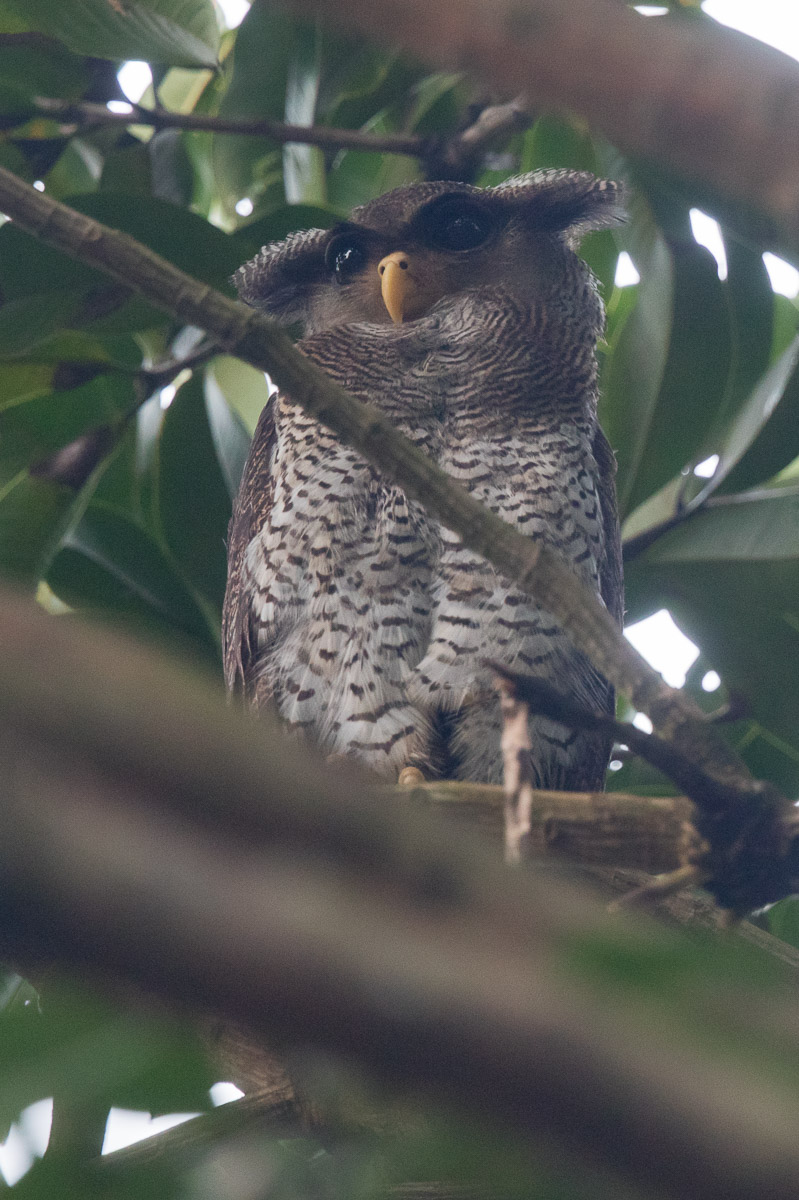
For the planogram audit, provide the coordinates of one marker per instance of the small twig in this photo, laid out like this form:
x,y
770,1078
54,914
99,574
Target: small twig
x,y
494,124
162,373
661,886
690,778
87,114
518,773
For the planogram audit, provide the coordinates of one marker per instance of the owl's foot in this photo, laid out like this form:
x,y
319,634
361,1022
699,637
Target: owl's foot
x,y
410,777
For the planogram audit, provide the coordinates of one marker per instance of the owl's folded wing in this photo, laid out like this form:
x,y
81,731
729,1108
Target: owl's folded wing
x,y
250,513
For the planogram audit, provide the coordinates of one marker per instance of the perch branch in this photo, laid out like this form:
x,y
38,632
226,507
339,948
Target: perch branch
x,y
743,849
688,93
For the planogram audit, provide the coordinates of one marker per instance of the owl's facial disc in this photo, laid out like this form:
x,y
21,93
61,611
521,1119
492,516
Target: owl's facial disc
x,y
401,289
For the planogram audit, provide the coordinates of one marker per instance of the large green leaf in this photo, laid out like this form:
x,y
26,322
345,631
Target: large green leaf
x,y
34,515
264,49
179,32
77,1043
112,566
34,426
31,268
303,165
730,576
633,371
283,220
192,497
763,437
231,436
244,388
45,68
27,322
751,306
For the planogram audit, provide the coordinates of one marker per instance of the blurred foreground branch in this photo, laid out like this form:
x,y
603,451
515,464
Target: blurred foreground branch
x,y
151,834
680,90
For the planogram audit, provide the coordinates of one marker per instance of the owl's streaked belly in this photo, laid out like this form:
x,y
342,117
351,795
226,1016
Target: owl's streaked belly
x,y
372,619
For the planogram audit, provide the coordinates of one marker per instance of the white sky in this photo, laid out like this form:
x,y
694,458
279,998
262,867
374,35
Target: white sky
x,y
657,638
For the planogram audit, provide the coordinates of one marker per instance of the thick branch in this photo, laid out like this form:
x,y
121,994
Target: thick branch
x,y
685,92
530,565
147,833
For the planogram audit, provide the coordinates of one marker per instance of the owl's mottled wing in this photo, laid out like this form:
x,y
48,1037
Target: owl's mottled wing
x,y
595,748
611,578
250,513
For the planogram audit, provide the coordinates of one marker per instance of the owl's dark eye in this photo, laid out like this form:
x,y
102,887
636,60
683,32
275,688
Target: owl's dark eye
x,y
455,224
344,258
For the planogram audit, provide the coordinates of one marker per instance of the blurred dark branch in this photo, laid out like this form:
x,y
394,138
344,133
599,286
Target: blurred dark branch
x,y
150,834
531,565
685,92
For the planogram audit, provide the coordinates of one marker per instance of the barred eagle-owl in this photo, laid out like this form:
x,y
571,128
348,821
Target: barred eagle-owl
x,y
465,315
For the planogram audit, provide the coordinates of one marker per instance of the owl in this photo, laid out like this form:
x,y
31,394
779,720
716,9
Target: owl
x,y
465,316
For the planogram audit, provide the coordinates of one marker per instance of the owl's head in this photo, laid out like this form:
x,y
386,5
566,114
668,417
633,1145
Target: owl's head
x,y
398,256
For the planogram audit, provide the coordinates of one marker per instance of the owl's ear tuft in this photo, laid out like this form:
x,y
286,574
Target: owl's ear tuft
x,y
281,277
570,202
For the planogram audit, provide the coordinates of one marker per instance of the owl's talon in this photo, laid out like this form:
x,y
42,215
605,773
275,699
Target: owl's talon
x,y
410,777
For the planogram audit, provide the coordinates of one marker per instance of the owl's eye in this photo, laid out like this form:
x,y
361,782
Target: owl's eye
x,y
456,224
344,258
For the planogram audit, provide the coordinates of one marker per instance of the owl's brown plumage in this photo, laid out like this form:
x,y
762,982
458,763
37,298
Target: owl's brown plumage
x,y
465,315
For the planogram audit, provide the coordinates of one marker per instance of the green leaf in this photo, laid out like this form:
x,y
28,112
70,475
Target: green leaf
x,y
43,69
192,497
34,515
730,576
764,436
31,268
33,426
751,305
178,32
111,565
26,322
243,166
230,435
76,1043
633,371
303,166
243,387
283,220
783,920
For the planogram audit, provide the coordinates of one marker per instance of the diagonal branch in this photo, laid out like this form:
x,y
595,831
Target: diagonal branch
x,y
681,90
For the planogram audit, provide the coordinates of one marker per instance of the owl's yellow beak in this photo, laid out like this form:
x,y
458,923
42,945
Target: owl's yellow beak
x,y
400,290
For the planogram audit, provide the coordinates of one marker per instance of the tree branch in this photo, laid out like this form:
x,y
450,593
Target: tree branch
x,y
87,114
681,90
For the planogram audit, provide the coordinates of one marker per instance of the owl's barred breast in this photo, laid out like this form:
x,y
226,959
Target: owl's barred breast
x,y
372,621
